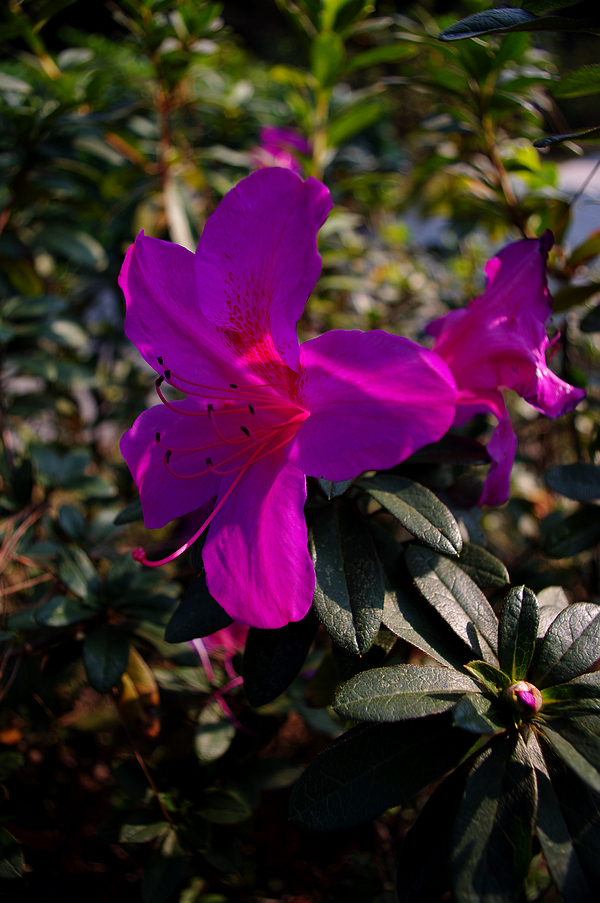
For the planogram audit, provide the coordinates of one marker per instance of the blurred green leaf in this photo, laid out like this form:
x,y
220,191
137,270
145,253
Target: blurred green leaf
x,y
223,807
11,856
105,657
142,826
129,514
327,57
573,295
579,82
197,615
77,572
62,611
350,122
576,533
165,870
514,19
214,733
577,481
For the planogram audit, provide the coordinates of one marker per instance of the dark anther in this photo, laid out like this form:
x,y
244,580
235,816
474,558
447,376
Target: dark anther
x,y
245,431
209,462
159,381
157,437
251,409
168,456
210,408
160,361
232,386
167,374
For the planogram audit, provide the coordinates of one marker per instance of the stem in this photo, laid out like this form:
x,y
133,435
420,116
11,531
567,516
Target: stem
x,y
319,138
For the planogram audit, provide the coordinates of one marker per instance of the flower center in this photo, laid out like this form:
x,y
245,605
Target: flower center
x,y
248,424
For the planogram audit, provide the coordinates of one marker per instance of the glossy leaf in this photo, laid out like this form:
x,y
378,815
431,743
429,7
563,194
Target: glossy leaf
x,y
76,571
570,647
142,826
400,692
214,733
223,807
373,767
491,677
513,19
482,567
349,591
517,632
62,611
576,533
105,656
273,658
491,838
197,615
579,695
576,481
418,510
459,601
577,742
481,714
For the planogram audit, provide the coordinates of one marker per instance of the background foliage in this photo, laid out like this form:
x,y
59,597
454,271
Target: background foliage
x,y
132,761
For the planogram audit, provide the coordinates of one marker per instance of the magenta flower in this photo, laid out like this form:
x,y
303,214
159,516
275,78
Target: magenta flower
x,y
261,411
280,147
499,342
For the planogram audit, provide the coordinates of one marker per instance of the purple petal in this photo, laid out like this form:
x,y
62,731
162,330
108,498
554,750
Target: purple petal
x,y
285,138
502,449
163,316
516,279
373,399
257,262
163,496
257,563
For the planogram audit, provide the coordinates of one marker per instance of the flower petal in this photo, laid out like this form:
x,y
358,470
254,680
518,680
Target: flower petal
x,y
163,316
257,563
257,262
502,449
163,496
373,398
516,279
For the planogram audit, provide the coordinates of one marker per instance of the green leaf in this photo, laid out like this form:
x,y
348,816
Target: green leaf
x,y
591,321
577,481
459,601
423,861
333,490
223,807
372,768
567,825
417,509
165,870
577,742
142,826
349,591
576,533
544,6
129,514
492,678
491,838
482,567
105,657
386,53
570,647
502,20
327,57
583,253
62,611
214,733
517,632
77,572
273,658
350,122
579,695
579,82
480,714
408,618
197,615
11,856
400,692
572,295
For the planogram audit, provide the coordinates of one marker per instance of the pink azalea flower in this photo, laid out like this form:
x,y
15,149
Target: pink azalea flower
x,y
280,147
499,342
262,411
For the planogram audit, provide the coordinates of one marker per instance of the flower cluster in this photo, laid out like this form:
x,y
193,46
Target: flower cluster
x,y
260,412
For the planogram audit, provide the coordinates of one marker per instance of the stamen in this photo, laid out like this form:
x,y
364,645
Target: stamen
x,y
160,361
245,431
251,409
167,374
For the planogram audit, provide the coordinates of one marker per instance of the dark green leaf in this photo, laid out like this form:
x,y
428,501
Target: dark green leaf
x,y
372,768
408,618
165,871
400,692
591,321
349,591
570,647
502,20
197,615
61,611
273,658
579,82
77,572
386,53
142,826
577,742
129,514
577,481
10,762
480,714
576,533
333,490
573,295
214,733
483,568
459,601
579,695
418,510
350,122
491,839
11,856
494,679
451,449
517,632
423,862
567,825
105,657
223,807
544,6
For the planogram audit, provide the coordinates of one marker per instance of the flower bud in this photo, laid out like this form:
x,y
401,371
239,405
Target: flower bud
x,y
524,697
